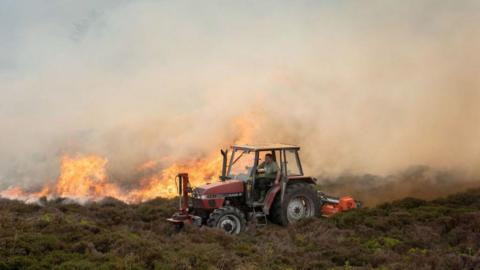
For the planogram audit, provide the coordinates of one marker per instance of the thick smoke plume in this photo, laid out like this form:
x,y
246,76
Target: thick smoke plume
x,y
417,181
365,88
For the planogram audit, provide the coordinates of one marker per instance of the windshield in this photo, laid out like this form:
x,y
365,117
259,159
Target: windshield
x,y
241,165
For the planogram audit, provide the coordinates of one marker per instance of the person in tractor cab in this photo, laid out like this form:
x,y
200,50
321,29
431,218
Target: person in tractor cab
x,y
268,173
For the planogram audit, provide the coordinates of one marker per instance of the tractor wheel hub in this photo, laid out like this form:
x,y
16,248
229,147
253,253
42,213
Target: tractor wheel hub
x,y
297,210
229,224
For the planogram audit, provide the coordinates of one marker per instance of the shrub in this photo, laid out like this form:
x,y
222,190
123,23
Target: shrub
x,y
405,234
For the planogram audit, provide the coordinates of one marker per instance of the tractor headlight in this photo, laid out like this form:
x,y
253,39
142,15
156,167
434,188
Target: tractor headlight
x,y
196,193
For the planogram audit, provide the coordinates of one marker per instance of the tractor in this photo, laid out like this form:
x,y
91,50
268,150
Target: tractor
x,y
232,202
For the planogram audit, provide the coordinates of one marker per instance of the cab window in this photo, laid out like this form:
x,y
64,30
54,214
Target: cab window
x,y
241,165
292,163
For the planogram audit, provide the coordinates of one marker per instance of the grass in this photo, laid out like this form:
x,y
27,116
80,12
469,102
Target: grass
x,y
404,234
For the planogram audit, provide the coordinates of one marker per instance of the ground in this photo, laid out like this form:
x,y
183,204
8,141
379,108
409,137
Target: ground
x,y
404,234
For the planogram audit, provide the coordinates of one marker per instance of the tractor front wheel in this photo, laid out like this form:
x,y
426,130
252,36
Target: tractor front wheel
x,y
227,218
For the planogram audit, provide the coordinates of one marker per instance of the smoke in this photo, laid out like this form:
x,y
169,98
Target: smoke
x,y
364,88
416,181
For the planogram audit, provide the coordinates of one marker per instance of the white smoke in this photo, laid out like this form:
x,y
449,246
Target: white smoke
x,y
363,87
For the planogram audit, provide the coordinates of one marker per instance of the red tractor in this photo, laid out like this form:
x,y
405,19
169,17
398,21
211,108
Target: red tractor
x,y
230,203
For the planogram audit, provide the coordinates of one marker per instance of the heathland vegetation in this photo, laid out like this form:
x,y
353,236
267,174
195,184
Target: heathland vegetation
x,y
403,234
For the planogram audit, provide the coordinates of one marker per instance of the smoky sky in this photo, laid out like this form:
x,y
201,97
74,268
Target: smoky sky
x,y
362,86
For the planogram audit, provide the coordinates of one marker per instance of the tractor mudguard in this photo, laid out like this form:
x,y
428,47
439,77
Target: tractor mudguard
x,y
272,193
270,197
307,179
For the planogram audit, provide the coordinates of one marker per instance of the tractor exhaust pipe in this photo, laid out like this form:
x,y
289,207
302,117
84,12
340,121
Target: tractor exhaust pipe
x,y
224,177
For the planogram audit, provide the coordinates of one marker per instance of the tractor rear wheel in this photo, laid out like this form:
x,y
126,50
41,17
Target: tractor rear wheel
x,y
299,202
227,218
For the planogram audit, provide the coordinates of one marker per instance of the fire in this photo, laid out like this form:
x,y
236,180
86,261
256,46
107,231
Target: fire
x,y
14,193
161,184
19,194
85,177
201,171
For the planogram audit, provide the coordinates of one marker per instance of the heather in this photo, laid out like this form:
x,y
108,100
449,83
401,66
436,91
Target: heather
x,y
405,234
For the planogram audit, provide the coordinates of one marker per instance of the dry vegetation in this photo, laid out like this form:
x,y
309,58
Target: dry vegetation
x,y
405,234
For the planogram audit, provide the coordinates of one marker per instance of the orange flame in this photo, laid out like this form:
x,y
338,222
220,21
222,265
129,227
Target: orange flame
x,y
85,178
161,184
19,194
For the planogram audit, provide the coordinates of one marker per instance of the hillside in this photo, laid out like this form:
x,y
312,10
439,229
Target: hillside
x,y
404,234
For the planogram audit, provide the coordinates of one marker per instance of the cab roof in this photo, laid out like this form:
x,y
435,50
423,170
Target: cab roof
x,y
266,147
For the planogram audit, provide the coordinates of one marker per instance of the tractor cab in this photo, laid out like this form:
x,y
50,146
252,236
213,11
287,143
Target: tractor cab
x,y
242,164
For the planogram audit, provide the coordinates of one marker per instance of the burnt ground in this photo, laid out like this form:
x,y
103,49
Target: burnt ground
x,y
404,234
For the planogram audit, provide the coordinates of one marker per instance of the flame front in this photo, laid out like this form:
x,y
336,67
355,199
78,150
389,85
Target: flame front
x,y
161,184
85,177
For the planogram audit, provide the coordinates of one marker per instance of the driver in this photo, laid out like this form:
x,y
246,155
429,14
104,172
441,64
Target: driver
x,y
268,172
